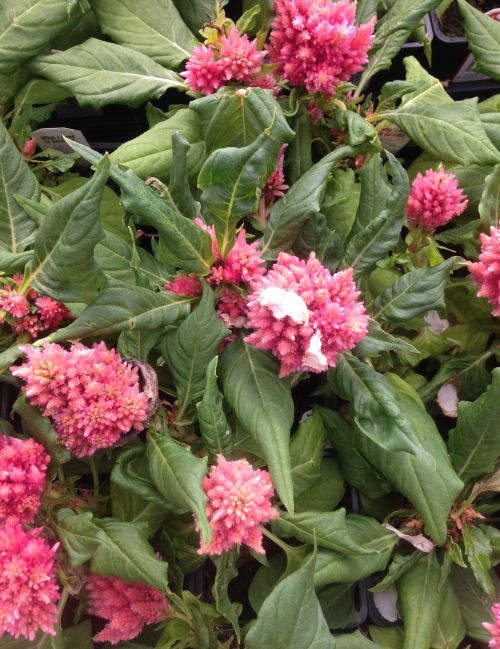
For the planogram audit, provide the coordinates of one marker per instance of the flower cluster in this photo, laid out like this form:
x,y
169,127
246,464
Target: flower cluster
x,y
92,396
239,500
28,587
127,607
317,44
32,313
23,465
486,271
236,58
494,627
305,315
435,198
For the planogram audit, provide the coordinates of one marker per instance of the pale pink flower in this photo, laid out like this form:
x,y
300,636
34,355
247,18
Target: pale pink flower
x,y
239,56
317,44
435,198
305,315
486,271
232,308
494,627
51,312
23,465
203,72
14,303
242,264
185,285
92,396
127,607
239,500
28,587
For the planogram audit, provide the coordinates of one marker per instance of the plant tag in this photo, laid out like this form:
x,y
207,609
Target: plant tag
x,y
53,138
393,138
466,72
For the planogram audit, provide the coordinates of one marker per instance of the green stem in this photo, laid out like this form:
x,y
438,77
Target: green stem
x,y
95,476
275,539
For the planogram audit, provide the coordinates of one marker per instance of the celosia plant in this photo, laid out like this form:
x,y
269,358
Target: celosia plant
x,y
248,359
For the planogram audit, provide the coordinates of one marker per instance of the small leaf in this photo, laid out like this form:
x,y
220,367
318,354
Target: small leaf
x,y
226,572
214,428
400,564
483,39
378,341
478,550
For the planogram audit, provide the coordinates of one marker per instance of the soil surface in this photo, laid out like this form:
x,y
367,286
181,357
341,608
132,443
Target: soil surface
x,y
451,21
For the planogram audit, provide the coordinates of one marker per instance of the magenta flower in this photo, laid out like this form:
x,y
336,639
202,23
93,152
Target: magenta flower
x,y
203,72
276,186
185,285
239,500
127,607
486,271
242,264
435,198
23,465
28,587
232,309
51,312
305,315
92,396
494,627
317,44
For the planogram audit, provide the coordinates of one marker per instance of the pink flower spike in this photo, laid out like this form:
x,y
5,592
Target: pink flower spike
x,y
305,315
28,586
494,627
486,271
23,465
126,607
51,312
435,198
239,500
239,57
276,186
185,285
14,303
203,72
242,264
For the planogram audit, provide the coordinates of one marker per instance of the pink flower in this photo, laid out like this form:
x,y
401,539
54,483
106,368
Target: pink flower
x,y
14,303
435,199
92,396
51,312
494,628
276,186
185,285
127,607
30,324
203,72
28,587
316,43
239,500
29,148
486,271
232,308
239,57
304,315
23,465
242,264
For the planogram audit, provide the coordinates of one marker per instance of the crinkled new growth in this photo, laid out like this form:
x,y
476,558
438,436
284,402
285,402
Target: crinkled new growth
x,y
317,44
28,586
239,500
494,627
305,315
486,271
92,396
435,198
23,465
126,607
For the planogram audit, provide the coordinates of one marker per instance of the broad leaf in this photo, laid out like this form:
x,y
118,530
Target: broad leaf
x,y
375,191
489,205
263,405
131,473
99,73
63,265
178,185
291,616
178,474
16,227
195,12
416,292
226,572
78,535
153,28
306,453
324,494
115,256
478,550
474,443
299,154
450,630
214,428
483,39
377,341
189,349
400,564
340,202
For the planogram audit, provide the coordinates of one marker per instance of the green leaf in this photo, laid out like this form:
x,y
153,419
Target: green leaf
x,y
152,154
131,473
339,606
451,131
306,453
131,508
63,265
400,564
377,341
299,155
365,10
328,529
99,73
291,616
355,640
11,262
123,307
483,39
375,191
478,550
474,443
79,636
340,202
489,205
420,597
16,227
302,201
177,474
381,234
450,629
214,428
115,256
78,535
189,349
153,28
179,181
195,12
263,405
26,29
226,572
325,494
414,293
